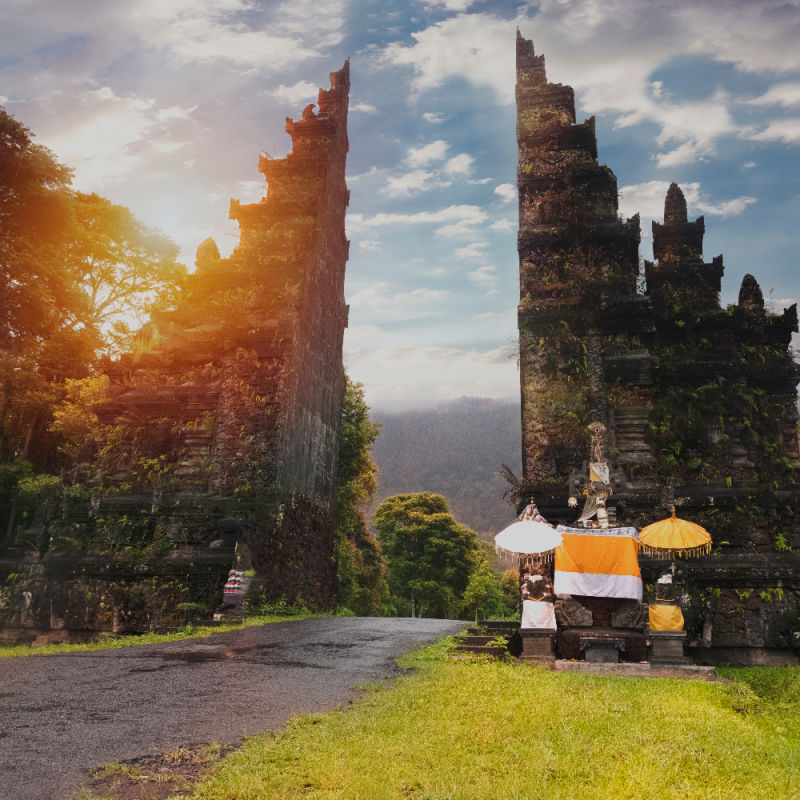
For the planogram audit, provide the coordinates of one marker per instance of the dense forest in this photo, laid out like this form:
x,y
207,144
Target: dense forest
x,y
457,450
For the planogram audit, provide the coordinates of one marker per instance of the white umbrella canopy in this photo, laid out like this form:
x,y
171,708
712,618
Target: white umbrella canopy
x,y
526,537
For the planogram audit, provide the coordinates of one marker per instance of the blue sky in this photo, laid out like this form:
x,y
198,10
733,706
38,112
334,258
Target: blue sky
x,y
164,106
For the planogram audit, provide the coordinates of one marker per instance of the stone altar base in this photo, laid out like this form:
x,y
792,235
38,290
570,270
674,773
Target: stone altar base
x,y
538,644
666,647
572,643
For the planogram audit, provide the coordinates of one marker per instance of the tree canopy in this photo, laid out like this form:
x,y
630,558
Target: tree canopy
x,y
429,554
76,273
361,566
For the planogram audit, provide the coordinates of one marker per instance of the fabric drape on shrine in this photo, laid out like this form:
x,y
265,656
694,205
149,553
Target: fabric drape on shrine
x,y
598,562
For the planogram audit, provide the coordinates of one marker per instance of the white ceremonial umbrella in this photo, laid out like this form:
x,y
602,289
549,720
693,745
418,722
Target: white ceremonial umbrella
x,y
526,537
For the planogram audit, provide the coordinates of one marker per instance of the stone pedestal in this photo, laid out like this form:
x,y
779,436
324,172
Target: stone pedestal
x,y
602,648
666,647
538,644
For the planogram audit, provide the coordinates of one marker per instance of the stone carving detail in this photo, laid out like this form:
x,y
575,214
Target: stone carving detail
x,y
571,614
631,614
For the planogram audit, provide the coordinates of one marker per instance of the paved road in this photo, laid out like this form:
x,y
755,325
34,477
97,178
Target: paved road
x,y
62,715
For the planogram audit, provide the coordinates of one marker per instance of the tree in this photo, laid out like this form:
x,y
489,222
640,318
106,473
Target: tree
x,y
484,592
430,556
75,271
361,566
124,269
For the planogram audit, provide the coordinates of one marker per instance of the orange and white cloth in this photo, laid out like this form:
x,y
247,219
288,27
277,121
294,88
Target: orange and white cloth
x,y
598,562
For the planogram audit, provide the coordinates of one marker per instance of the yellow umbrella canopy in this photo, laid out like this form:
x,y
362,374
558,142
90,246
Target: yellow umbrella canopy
x,y
674,537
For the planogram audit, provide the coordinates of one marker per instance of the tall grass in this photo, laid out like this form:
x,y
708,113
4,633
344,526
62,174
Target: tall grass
x,y
475,729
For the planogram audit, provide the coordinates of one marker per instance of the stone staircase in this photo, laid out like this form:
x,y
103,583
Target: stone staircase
x,y
490,638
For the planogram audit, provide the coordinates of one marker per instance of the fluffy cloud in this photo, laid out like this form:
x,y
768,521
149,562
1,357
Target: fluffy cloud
x,y
485,278
414,182
506,192
467,215
459,165
409,377
785,130
610,65
781,94
300,92
648,198
386,301
472,250
422,156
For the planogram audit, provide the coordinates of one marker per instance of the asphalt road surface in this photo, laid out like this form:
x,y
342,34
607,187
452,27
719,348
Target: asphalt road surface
x,y
61,715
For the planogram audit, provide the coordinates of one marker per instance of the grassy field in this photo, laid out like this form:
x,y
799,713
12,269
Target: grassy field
x,y
470,728
110,642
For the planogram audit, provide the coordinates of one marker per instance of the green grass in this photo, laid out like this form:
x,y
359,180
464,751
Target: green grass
x,y
111,642
476,729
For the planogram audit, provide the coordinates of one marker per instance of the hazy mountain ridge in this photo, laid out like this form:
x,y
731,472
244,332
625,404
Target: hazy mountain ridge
x,y
455,449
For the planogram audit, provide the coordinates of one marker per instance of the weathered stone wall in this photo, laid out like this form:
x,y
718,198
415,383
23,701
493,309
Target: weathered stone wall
x,y
224,423
699,401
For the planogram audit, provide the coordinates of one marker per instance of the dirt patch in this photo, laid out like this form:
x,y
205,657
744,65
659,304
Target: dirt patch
x,y
153,777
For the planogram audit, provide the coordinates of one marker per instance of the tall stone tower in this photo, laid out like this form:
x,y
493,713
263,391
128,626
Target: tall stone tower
x,y
223,425
687,403
578,264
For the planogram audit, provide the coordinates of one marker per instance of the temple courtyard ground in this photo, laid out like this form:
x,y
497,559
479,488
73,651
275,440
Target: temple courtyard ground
x,y
455,726
63,715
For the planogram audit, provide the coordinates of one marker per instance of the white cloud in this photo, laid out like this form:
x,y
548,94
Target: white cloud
x,y
422,156
483,56
776,306
785,130
485,278
507,192
503,225
459,165
414,182
450,5
385,300
409,377
473,250
468,215
648,198
370,245
782,94
364,108
300,92
434,118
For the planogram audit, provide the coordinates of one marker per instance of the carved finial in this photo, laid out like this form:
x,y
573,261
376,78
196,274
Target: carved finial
x,y
750,296
675,206
308,112
207,253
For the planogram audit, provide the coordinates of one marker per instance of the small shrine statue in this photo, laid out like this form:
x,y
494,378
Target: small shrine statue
x,y
538,609
665,613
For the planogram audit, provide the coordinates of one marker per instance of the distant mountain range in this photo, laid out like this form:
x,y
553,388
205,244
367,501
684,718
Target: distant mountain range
x,y
456,450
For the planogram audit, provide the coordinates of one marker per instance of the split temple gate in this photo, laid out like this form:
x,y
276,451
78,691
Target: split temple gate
x,y
222,427
698,403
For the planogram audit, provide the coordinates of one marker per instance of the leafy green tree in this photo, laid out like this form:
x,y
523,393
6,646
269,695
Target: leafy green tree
x,y
75,271
123,269
361,566
484,593
430,555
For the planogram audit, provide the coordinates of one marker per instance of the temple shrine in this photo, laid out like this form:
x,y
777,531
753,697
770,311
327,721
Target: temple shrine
x,y
640,393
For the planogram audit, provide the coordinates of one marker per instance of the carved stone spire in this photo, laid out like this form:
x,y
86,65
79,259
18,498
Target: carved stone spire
x,y
750,296
675,206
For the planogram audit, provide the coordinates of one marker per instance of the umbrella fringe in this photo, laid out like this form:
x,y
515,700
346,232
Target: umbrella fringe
x,y
545,557
667,553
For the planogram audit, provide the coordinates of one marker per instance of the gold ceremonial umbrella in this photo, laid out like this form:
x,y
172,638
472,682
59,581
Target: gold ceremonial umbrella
x,y
674,537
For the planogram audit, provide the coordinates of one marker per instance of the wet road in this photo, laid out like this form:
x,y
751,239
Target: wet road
x,y
62,715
